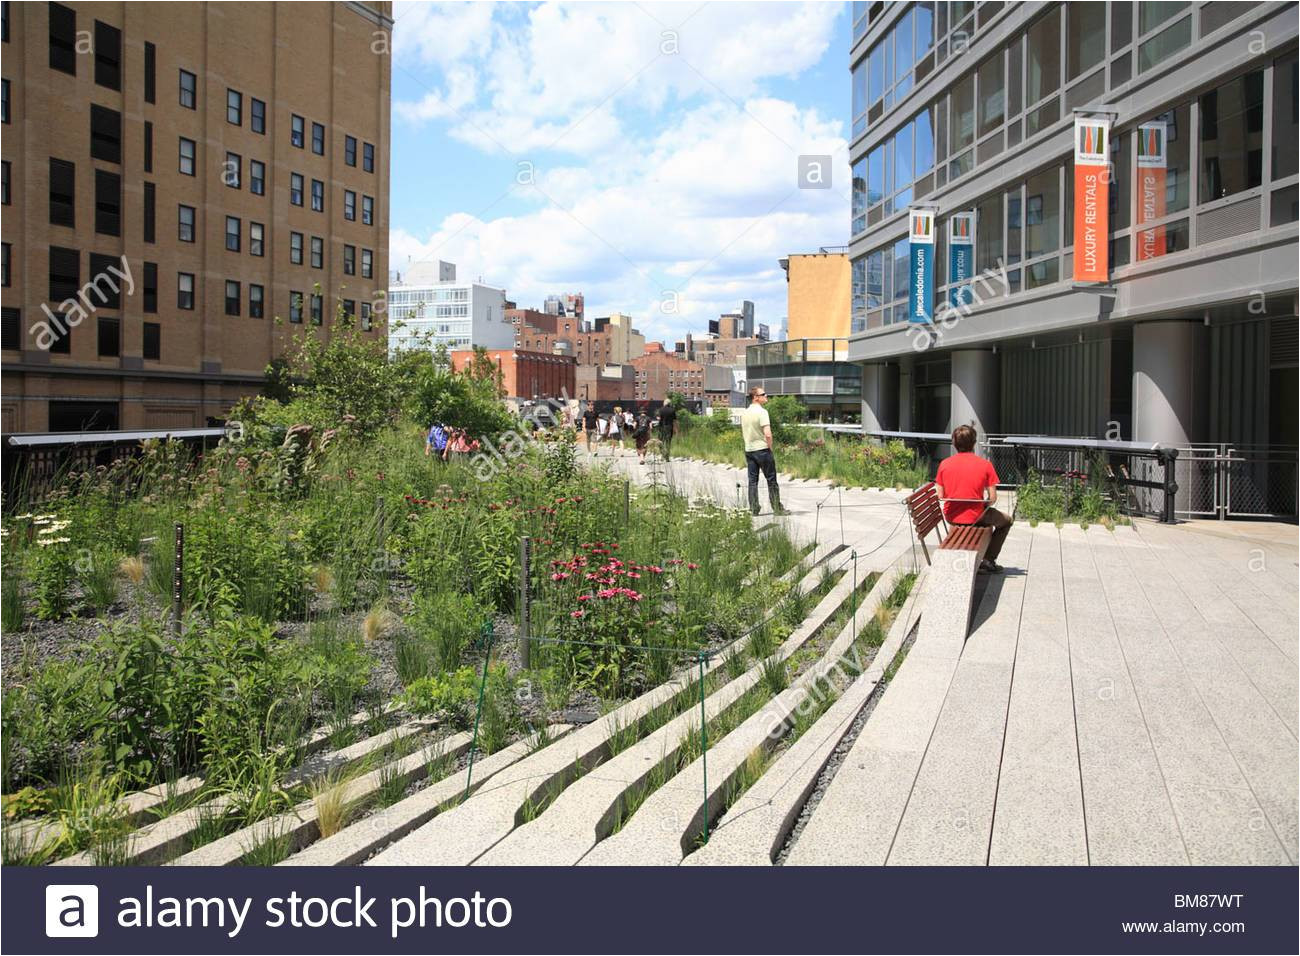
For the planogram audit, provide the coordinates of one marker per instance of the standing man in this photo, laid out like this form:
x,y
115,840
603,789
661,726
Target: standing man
x,y
667,427
968,486
589,424
756,429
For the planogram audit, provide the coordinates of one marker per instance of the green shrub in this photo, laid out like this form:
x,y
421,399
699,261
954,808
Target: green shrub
x,y
451,697
449,623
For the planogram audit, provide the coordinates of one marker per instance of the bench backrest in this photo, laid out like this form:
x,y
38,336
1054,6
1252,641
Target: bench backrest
x,y
923,505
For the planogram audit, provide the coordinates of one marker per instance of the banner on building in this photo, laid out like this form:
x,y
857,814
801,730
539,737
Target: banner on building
x,y
1152,162
920,276
1091,197
961,257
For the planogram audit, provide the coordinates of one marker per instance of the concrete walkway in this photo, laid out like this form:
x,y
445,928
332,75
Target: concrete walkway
x,y
1124,697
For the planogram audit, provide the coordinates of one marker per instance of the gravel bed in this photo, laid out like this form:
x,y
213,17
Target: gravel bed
x,y
838,755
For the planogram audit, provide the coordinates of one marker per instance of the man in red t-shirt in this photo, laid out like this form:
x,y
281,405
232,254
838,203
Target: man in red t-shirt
x,y
968,487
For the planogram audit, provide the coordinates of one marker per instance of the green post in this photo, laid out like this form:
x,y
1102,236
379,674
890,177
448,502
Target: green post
x,y
704,751
855,596
482,687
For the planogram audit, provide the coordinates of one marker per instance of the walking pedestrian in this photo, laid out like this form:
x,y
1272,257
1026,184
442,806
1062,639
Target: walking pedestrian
x,y
968,486
641,433
590,422
756,429
667,427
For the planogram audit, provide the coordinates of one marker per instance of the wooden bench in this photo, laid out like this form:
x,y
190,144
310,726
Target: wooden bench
x,y
927,515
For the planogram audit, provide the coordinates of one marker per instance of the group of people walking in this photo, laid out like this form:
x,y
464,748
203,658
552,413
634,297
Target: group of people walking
x,y
619,425
445,442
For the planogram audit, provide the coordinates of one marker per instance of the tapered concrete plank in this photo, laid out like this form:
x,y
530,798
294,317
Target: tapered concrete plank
x,y
753,831
1225,827
855,822
1130,820
906,714
665,827
950,814
354,843
1040,718
1039,817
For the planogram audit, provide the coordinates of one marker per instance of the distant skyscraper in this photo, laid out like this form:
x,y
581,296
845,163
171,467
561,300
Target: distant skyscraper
x,y
747,320
570,304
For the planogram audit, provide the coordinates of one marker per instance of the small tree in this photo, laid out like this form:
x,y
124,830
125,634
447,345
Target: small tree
x,y
786,412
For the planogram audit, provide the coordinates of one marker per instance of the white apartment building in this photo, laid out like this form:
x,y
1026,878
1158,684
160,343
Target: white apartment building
x,y
429,307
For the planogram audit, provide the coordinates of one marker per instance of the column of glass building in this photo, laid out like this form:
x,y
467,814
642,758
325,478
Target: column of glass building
x,y
969,107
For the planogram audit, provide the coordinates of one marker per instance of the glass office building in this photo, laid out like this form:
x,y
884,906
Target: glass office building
x,y
968,107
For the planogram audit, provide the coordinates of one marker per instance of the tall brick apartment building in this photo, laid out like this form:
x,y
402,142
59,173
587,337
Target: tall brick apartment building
x,y
235,153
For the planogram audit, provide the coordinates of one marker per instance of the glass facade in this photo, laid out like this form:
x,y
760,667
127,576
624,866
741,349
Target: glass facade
x,y
1234,143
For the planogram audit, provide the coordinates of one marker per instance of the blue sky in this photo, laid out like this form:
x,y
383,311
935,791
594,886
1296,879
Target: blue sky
x,y
642,153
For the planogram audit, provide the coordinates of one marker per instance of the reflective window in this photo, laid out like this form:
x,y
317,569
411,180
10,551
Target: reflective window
x,y
860,98
859,212
962,114
992,105
1232,137
1042,213
1285,116
1044,57
924,136
876,175
1085,45
988,233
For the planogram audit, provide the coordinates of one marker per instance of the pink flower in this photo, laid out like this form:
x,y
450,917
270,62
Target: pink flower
x,y
633,574
559,576
578,614
654,569
692,567
584,597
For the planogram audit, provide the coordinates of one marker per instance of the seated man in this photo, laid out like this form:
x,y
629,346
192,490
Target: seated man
x,y
968,487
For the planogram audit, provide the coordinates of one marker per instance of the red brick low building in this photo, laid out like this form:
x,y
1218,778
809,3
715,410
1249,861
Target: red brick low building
x,y
528,375
606,383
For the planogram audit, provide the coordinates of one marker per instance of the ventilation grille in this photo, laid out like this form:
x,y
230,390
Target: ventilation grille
x,y
1225,222
1284,337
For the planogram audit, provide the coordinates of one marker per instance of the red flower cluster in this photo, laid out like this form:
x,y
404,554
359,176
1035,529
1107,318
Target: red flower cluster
x,y
443,503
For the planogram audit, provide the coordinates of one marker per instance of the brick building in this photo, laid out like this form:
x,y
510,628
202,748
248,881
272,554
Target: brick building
x,y
235,154
528,375
606,383
659,372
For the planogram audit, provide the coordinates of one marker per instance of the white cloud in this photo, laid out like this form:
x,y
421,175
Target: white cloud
x,y
679,169
540,76
705,213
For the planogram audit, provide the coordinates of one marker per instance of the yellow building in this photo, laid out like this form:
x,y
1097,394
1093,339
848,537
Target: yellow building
x,y
817,289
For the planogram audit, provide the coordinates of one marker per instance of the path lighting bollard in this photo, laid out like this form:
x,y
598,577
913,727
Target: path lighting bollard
x,y
178,580
525,599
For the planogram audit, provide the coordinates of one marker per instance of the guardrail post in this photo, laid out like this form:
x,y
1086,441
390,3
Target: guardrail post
x,y
525,553
1168,457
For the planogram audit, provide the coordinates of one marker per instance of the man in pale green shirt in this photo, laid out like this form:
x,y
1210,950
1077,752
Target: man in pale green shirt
x,y
756,429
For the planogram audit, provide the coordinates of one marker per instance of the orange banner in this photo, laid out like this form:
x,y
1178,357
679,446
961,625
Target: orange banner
x,y
1151,164
1091,198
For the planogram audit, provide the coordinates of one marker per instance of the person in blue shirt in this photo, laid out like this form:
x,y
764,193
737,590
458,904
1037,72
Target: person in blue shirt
x,y
436,441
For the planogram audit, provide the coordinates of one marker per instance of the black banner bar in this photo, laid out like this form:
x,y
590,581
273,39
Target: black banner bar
x,y
642,910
